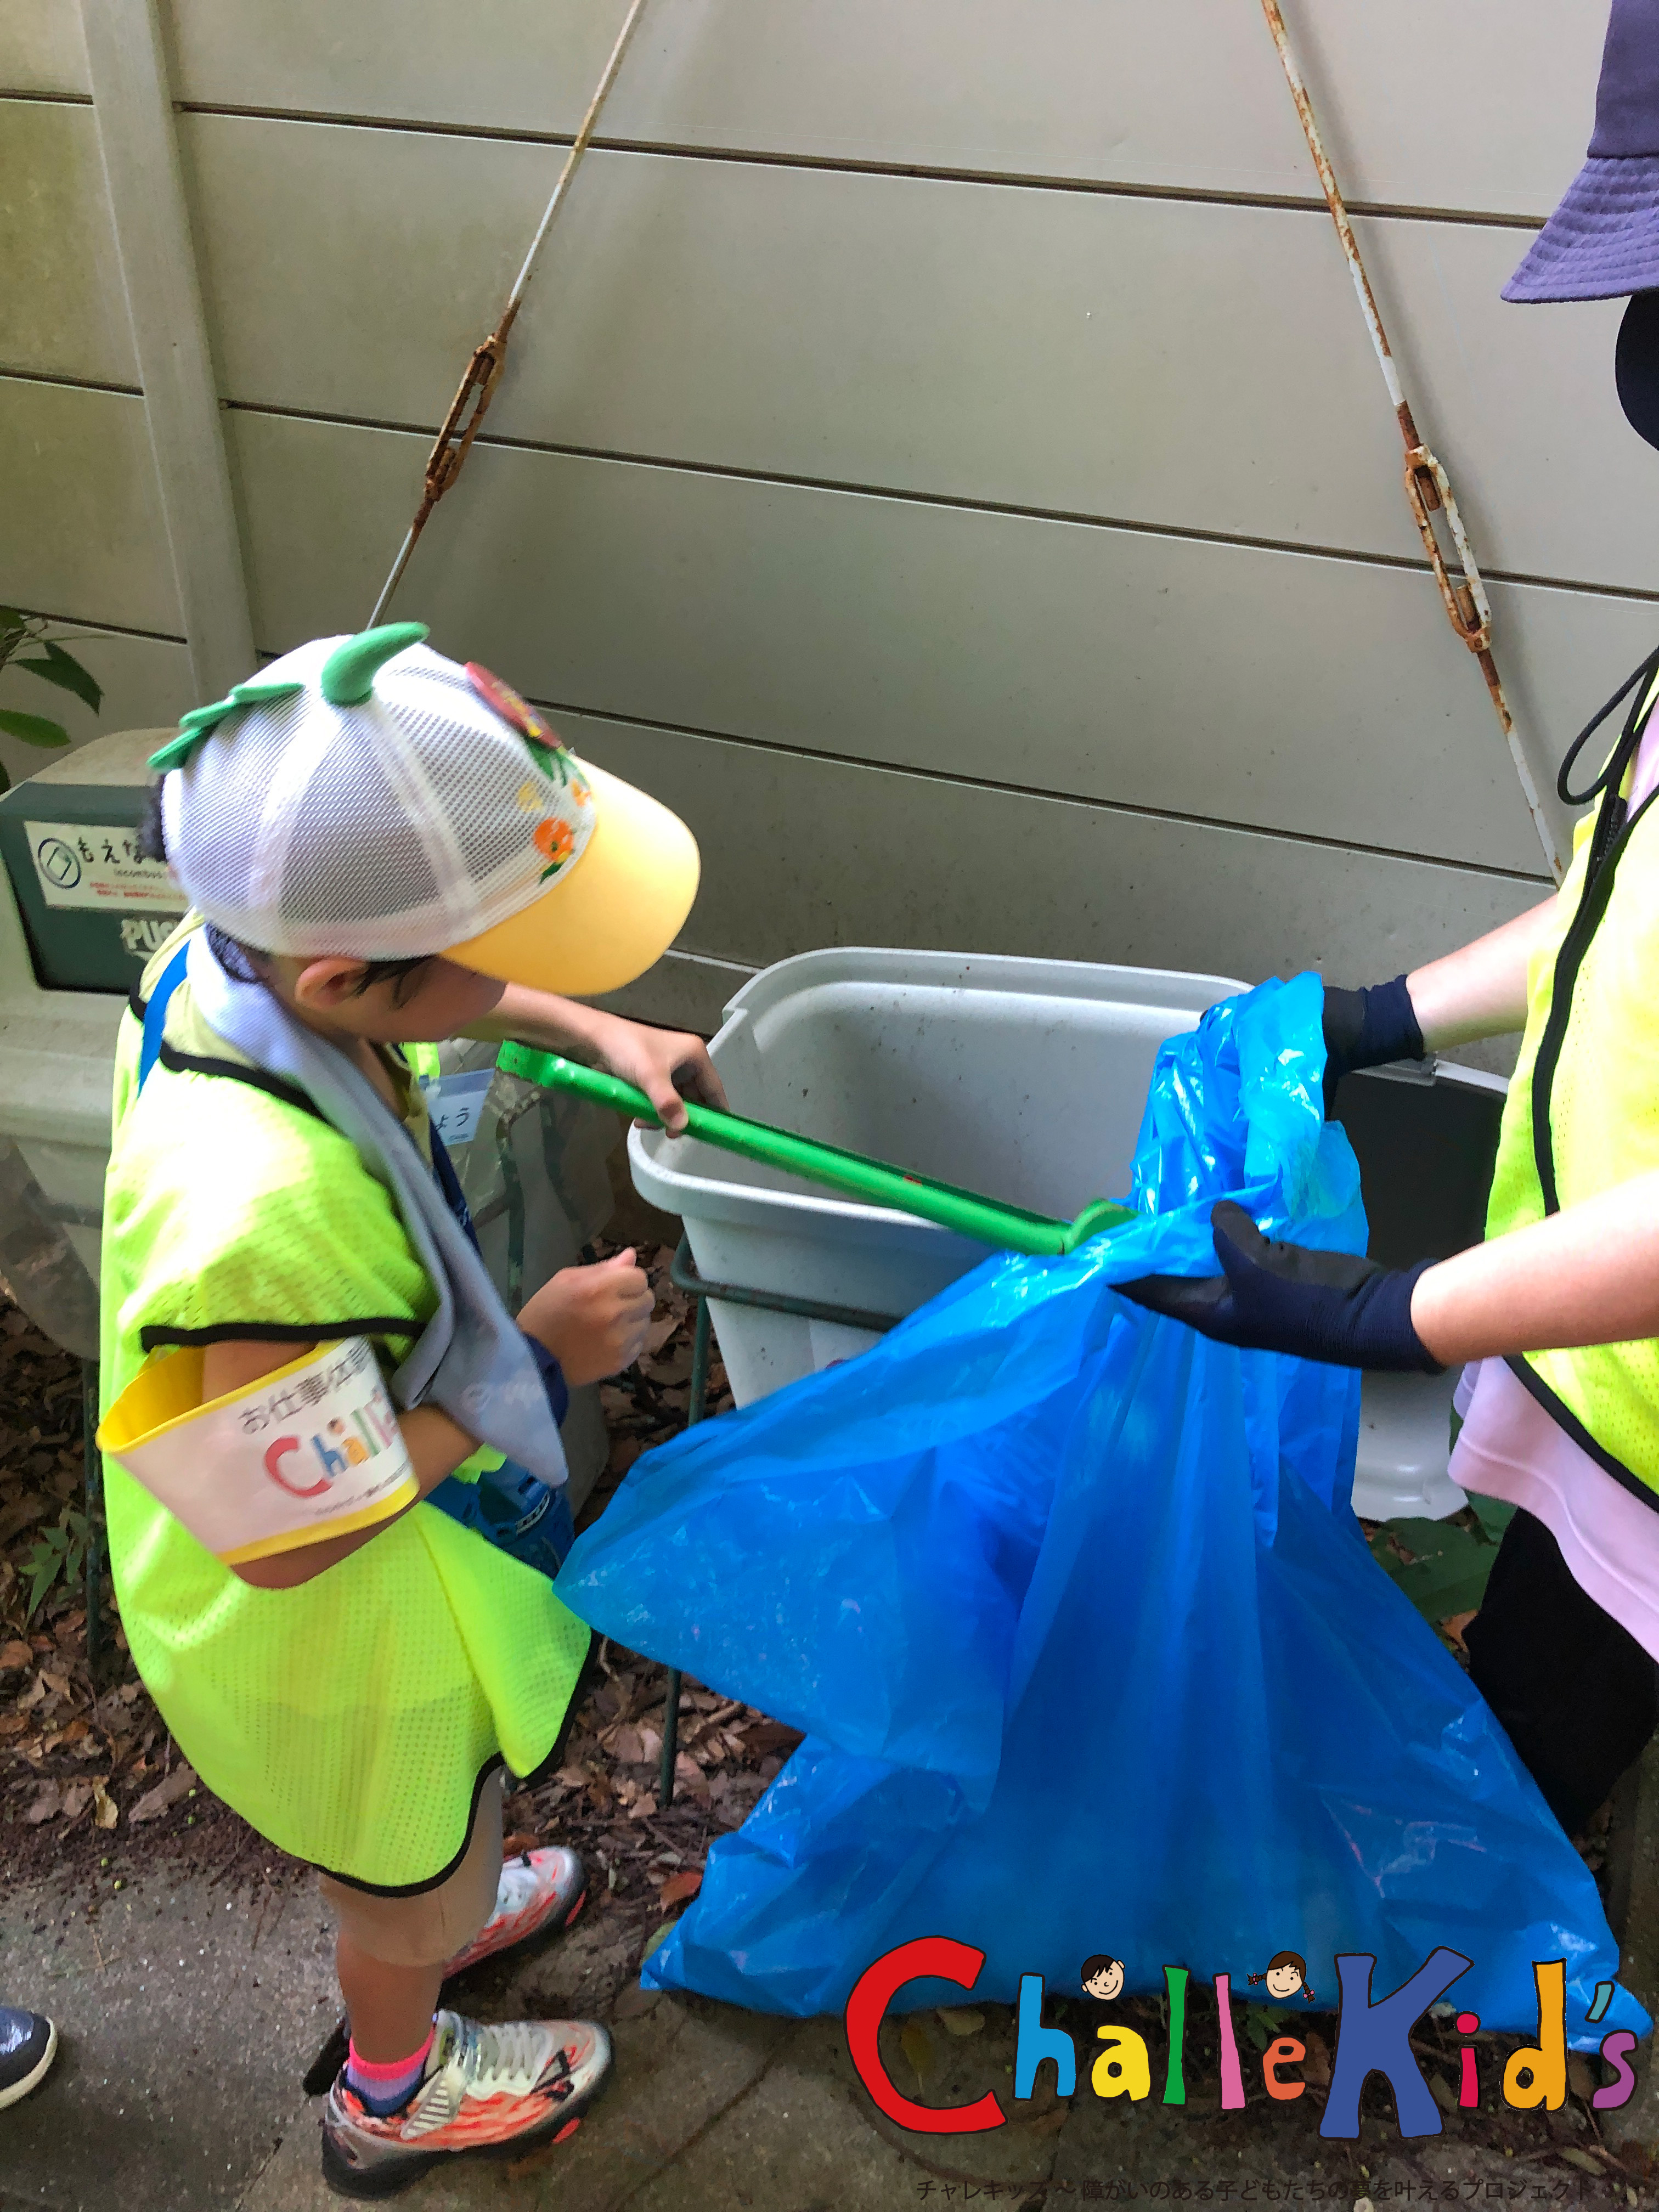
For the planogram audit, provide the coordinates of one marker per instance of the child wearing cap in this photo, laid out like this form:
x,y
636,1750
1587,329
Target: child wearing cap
x,y
300,1343
1555,1318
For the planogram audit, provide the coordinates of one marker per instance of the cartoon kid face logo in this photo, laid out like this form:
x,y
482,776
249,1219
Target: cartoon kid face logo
x,y
1102,1978
1285,1978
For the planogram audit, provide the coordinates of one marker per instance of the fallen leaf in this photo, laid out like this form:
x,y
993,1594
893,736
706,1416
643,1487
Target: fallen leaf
x,y
77,1798
58,1684
643,1805
626,1745
961,2020
769,1736
678,1887
659,1938
521,1839
14,1655
1318,2062
1585,2162
659,1333
165,1794
915,2042
104,1810
1454,1624
689,1775
50,1802
1580,2079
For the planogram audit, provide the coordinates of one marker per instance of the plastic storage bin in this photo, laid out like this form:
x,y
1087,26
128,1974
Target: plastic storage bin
x,y
1025,1079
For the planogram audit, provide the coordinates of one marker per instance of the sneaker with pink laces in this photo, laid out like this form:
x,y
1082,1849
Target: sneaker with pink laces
x,y
539,1893
499,2088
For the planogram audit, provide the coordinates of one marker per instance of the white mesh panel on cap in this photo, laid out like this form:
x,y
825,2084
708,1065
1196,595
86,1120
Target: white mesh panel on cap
x,y
333,873
399,825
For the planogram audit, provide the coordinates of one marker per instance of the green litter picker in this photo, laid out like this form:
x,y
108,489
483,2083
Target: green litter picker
x,y
1009,1227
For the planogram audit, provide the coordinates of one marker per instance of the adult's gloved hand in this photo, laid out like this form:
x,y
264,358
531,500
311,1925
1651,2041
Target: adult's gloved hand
x,y
1332,1306
1367,1028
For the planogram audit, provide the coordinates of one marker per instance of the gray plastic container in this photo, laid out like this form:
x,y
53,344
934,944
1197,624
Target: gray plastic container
x,y
1025,1079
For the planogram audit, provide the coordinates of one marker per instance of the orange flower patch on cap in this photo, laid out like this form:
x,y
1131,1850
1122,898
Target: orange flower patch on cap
x,y
554,840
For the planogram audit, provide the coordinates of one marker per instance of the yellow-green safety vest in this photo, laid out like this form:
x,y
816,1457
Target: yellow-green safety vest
x,y
352,1719
1582,1112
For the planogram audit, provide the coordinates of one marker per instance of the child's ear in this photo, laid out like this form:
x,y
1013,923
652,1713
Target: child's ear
x,y
324,984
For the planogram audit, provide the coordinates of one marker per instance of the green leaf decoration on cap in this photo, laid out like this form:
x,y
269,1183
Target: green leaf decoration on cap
x,y
198,726
348,672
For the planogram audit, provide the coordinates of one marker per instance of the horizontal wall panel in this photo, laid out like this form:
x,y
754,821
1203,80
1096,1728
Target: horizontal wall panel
x,y
799,852
1487,106
146,683
41,48
1174,362
81,526
63,311
1323,696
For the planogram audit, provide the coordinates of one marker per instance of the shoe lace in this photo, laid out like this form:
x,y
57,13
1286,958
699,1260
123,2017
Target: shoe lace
x,y
492,2055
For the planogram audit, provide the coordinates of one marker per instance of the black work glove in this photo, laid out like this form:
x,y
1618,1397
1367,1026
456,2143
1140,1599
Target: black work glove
x,y
1368,1028
1331,1306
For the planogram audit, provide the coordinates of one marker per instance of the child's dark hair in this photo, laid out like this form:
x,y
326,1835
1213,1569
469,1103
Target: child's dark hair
x,y
243,961
1097,1965
1287,1959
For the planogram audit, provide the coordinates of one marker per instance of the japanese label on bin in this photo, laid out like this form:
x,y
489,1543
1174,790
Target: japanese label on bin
x,y
81,864
455,1101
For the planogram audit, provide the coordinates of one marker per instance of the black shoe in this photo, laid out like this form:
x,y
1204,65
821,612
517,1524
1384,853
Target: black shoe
x,y
28,2044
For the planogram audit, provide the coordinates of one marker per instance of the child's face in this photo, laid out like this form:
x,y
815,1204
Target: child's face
x,y
1107,1983
1283,1981
440,1000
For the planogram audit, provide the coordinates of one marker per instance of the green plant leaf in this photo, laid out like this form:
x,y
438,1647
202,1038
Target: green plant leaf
x,y
1449,1568
1261,2025
63,669
33,729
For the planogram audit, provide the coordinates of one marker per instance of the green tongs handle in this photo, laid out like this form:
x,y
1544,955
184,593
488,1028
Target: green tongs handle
x,y
969,1215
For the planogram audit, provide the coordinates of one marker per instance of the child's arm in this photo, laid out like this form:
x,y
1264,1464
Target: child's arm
x,y
1479,990
1587,1275
592,1320
666,1064
436,1448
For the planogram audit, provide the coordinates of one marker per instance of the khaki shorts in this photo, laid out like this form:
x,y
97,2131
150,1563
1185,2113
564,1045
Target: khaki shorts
x,y
430,1928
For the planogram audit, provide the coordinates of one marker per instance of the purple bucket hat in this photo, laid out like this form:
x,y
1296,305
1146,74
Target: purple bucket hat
x,y
1603,240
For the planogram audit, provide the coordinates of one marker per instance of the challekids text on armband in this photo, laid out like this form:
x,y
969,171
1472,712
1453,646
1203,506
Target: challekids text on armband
x,y
311,1451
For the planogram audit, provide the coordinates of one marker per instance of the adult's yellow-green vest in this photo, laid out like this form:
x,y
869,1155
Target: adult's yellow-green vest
x,y
1582,1114
350,1720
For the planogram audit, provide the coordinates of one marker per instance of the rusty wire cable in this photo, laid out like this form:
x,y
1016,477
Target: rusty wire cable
x,y
1428,492
477,385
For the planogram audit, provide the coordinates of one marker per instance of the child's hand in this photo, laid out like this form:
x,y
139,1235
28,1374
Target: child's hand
x,y
592,1320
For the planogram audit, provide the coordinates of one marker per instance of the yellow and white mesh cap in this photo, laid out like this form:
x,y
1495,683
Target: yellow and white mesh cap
x,y
365,796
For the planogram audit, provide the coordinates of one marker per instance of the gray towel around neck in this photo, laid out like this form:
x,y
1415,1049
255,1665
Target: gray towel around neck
x,y
472,1358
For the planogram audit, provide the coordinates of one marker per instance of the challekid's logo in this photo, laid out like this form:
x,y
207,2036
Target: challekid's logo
x,y
1372,2038
360,1432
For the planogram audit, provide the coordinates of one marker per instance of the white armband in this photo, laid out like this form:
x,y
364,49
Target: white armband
x,y
311,1451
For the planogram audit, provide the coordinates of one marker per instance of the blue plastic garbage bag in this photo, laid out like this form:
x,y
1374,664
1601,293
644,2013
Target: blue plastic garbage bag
x,y
1087,1644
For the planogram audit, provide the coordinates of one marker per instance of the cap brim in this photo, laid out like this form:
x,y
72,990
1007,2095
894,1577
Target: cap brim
x,y
1602,242
612,916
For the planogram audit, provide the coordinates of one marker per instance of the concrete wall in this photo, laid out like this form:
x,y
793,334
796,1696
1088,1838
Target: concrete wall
x,y
940,454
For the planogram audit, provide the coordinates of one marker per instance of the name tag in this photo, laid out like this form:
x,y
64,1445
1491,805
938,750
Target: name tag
x,y
311,1451
455,1101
